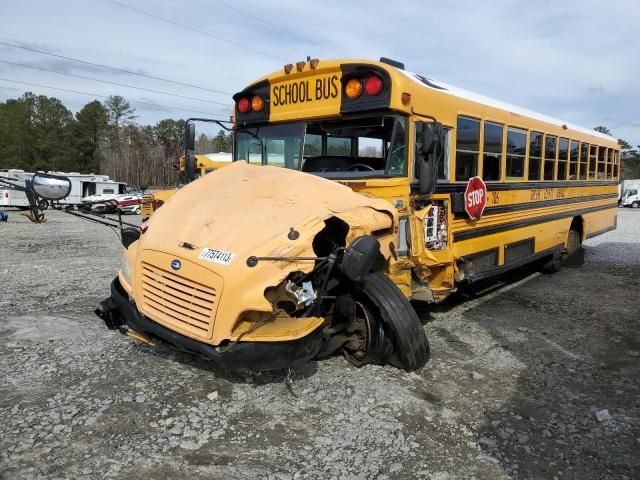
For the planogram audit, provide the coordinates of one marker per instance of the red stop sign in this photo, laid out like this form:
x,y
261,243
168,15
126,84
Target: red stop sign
x,y
475,198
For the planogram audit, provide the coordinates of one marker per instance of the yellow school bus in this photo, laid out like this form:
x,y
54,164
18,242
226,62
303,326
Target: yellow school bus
x,y
203,164
395,187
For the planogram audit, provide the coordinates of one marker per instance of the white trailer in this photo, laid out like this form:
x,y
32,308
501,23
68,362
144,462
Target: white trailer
x,y
82,185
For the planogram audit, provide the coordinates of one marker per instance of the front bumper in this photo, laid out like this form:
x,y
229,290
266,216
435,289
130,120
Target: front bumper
x,y
117,311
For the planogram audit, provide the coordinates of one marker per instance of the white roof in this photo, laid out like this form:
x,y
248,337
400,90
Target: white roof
x,y
478,98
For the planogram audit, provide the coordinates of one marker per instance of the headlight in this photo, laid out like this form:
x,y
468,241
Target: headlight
x,y
125,269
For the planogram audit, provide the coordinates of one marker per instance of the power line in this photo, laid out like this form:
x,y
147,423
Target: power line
x,y
105,96
201,32
122,70
262,20
113,83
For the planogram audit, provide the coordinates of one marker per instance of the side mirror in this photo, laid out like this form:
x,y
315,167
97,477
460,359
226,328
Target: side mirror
x,y
190,136
431,135
129,235
190,167
360,257
51,187
429,138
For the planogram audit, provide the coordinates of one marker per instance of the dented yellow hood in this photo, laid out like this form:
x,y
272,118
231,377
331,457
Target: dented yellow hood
x,y
220,220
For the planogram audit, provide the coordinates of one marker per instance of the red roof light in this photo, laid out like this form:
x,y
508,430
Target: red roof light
x,y
244,105
373,85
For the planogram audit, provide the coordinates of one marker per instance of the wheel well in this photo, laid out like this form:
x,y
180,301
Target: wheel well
x,y
578,224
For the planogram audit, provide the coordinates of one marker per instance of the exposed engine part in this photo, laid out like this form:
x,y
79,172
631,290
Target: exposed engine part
x,y
304,294
289,296
436,226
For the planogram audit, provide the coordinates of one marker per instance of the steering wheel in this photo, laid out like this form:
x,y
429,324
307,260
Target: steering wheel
x,y
355,166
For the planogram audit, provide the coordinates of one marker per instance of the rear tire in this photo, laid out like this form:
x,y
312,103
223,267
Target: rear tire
x,y
410,344
635,205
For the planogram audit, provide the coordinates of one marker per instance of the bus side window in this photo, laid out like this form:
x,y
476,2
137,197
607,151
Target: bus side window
x,y
563,153
610,165
592,161
492,152
516,149
535,156
602,152
573,160
467,148
550,150
584,160
443,166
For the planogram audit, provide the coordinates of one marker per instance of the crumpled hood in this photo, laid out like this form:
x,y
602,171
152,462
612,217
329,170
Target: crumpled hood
x,y
237,212
245,209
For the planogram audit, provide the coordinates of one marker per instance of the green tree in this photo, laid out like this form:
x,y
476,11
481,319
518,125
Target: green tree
x,y
90,125
16,147
119,114
624,145
169,134
603,129
222,142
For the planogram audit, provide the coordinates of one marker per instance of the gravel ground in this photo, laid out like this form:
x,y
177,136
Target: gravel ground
x,y
537,377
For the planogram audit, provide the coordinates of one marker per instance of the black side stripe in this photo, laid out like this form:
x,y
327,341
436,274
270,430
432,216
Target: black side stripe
x,y
494,187
503,227
547,203
600,232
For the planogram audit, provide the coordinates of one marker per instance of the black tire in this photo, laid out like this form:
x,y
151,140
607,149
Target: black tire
x,y
635,205
410,345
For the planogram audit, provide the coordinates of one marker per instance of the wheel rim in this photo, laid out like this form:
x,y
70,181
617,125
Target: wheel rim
x,y
368,338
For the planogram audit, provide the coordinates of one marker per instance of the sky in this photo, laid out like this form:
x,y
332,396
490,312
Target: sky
x,y
575,60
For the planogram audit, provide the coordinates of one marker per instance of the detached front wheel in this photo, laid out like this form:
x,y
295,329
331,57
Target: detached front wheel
x,y
384,300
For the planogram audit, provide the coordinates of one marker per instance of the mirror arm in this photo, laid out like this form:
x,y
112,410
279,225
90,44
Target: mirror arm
x,y
211,120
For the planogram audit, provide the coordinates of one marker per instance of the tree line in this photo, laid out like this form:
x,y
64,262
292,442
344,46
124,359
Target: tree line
x,y
38,132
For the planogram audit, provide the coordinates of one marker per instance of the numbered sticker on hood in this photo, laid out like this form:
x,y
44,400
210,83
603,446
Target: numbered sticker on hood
x,y
216,256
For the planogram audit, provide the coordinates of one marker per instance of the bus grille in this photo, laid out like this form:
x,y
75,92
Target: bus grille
x,y
177,301
147,205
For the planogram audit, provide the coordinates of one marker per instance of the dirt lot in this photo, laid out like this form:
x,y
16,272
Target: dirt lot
x,y
537,379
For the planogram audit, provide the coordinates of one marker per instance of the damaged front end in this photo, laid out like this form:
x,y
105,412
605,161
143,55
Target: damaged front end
x,y
279,268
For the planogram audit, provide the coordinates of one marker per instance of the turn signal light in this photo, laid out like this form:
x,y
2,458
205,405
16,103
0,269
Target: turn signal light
x,y
373,85
353,88
244,105
257,103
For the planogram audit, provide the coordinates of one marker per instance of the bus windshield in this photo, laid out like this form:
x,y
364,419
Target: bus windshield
x,y
370,146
